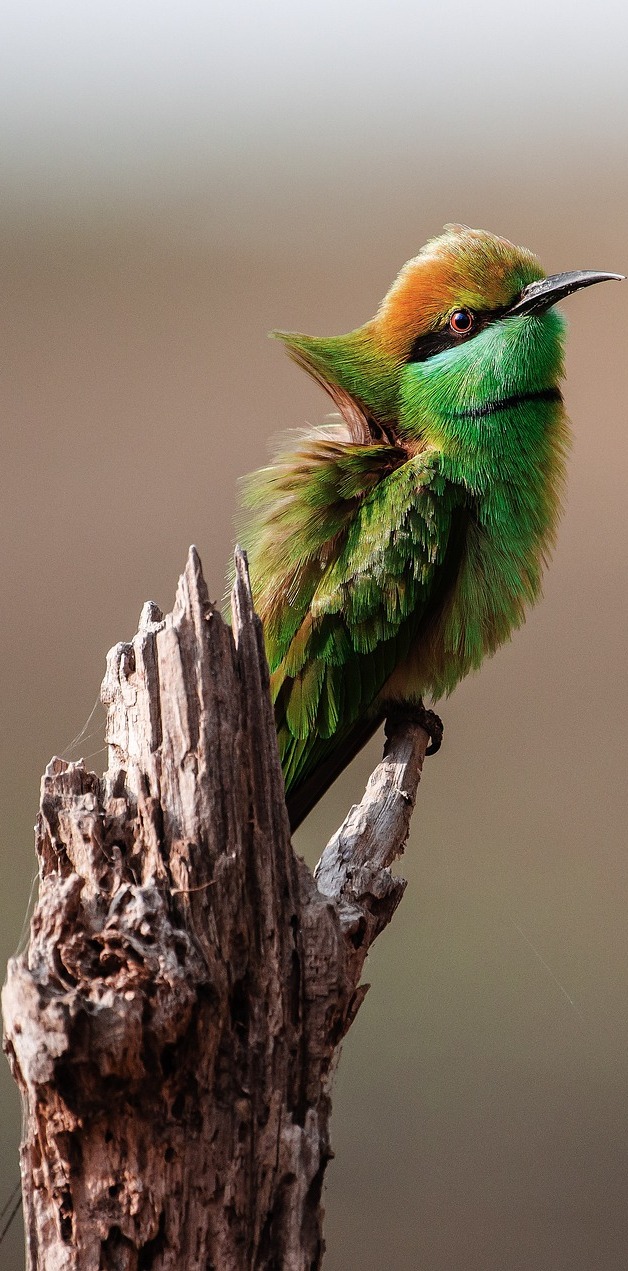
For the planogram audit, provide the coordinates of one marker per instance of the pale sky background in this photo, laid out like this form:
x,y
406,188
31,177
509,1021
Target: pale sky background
x,y
148,101
176,179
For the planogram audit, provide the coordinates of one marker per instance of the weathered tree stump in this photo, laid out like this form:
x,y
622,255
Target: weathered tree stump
x,y
173,1024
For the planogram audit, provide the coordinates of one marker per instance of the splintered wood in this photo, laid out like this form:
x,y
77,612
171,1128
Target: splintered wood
x,y
173,1023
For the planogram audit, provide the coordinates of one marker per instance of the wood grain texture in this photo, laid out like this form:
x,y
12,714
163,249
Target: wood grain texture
x,y
173,1023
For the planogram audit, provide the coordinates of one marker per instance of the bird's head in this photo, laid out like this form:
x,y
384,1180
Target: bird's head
x,y
469,324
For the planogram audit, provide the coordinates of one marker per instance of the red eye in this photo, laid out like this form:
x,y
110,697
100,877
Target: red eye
x,y
461,321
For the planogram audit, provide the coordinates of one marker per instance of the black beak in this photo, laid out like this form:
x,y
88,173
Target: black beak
x,y
541,295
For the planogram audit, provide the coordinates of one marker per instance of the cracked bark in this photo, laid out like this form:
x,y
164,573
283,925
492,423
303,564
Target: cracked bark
x,y
173,1023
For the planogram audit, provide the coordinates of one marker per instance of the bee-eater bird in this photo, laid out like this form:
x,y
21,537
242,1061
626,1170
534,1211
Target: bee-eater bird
x,y
390,552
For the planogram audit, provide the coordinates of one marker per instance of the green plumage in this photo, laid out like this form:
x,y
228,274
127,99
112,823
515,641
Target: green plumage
x,y
390,552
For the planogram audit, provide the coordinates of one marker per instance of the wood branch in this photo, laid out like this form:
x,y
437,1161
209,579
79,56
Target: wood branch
x,y
173,1024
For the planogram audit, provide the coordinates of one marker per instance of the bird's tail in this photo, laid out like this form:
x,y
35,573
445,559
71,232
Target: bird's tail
x,y
305,792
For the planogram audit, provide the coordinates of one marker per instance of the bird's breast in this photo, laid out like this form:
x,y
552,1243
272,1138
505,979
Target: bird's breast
x,y
491,572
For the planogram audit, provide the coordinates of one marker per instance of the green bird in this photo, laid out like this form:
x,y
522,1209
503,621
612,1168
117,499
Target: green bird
x,y
393,550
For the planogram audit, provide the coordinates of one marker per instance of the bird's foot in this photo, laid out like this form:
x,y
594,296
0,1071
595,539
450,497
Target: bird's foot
x,y
417,713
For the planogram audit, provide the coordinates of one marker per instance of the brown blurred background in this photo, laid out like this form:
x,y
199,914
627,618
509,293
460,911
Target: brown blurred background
x,y
178,179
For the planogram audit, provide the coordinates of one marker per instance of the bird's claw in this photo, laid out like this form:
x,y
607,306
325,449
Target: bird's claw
x,y
417,713
433,725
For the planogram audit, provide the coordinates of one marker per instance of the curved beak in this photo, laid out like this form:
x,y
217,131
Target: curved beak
x,y
541,295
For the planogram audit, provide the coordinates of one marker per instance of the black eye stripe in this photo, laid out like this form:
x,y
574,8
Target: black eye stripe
x,y
437,341
433,342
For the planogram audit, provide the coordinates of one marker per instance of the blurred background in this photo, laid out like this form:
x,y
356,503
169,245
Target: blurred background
x,y
178,178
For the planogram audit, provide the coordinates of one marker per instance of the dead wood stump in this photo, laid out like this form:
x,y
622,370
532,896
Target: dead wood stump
x,y
173,1024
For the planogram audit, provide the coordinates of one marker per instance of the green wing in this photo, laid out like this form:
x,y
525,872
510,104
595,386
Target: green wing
x,y
345,543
